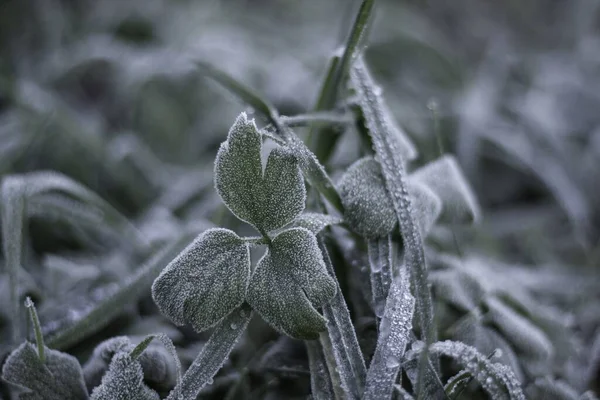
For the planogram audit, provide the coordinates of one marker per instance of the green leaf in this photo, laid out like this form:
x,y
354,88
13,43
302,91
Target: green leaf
x,y
368,208
445,178
267,201
124,381
58,378
206,281
289,282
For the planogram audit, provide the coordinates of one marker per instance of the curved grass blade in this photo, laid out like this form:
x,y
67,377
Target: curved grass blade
x,y
395,330
388,151
309,163
346,350
323,141
317,118
112,306
213,354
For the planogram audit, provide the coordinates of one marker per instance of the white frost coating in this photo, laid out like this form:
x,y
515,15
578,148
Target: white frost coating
x,y
380,262
342,335
289,281
320,381
268,200
388,150
496,379
368,208
206,281
58,378
124,381
395,329
445,178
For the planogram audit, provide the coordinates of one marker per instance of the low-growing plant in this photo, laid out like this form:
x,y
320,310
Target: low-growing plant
x,y
362,290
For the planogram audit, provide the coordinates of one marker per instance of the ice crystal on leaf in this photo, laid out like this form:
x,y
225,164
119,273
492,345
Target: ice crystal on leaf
x,y
289,282
206,281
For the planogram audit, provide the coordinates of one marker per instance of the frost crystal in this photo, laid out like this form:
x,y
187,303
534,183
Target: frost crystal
x,y
289,282
206,281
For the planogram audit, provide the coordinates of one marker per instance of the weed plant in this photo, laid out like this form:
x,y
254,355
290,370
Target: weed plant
x,y
318,251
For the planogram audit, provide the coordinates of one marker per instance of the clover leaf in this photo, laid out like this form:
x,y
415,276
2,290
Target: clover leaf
x,y
266,200
58,377
206,281
289,282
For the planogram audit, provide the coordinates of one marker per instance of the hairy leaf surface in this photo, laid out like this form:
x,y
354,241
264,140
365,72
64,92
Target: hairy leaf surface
x,y
289,282
206,281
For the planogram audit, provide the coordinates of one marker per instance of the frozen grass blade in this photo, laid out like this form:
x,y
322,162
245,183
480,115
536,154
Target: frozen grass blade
x,y
495,378
395,330
388,150
13,210
313,171
320,381
213,354
39,338
112,306
380,263
317,118
323,141
346,350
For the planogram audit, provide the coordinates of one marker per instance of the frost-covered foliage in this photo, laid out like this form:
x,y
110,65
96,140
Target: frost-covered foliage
x,y
414,218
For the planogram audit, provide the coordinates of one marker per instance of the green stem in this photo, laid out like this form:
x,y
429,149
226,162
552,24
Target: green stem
x,y
39,338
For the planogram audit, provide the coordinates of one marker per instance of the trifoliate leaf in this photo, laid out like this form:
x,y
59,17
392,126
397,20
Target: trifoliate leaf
x,y
445,178
124,381
58,378
368,208
268,201
206,281
289,282
314,222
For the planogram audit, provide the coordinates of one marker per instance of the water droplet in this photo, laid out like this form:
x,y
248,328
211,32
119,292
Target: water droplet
x,y
233,325
498,353
392,362
242,313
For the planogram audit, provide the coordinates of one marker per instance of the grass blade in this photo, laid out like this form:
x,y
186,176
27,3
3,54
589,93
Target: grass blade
x,y
13,210
320,381
380,263
388,151
346,350
395,330
213,354
323,141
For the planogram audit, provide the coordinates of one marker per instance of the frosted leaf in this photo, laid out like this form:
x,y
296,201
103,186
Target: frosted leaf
x,y
59,377
427,206
98,363
268,201
368,208
290,280
457,288
445,178
496,379
314,222
124,381
206,281
523,334
589,395
395,330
